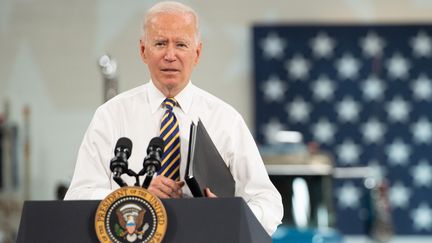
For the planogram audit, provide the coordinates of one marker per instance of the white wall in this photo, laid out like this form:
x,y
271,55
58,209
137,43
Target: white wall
x,y
49,50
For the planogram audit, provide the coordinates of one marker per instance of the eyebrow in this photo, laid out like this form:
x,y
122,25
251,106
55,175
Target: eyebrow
x,y
164,39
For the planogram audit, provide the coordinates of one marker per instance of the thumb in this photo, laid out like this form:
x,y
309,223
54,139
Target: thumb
x,y
209,193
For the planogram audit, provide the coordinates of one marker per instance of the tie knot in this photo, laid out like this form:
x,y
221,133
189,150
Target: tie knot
x,y
169,103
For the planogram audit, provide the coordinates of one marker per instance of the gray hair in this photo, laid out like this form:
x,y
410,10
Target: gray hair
x,y
171,7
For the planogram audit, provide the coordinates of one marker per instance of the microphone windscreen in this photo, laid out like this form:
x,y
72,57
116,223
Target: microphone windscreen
x,y
124,142
156,142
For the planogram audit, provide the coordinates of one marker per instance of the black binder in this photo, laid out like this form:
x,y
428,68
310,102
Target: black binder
x,y
205,166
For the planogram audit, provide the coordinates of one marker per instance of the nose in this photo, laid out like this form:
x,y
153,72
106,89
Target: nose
x,y
170,54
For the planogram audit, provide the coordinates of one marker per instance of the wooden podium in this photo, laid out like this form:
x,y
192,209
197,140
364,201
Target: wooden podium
x,y
189,220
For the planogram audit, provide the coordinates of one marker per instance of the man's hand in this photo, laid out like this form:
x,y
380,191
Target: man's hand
x,y
164,187
209,193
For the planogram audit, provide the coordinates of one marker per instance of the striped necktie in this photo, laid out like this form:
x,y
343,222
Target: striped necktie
x,y
169,132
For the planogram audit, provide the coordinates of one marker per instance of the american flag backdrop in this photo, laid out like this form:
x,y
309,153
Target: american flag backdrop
x,y
364,93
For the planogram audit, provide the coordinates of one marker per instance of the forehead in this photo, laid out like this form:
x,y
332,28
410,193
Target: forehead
x,y
163,24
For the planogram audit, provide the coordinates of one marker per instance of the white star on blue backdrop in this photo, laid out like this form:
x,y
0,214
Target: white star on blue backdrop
x,y
323,88
399,195
422,217
298,67
422,174
322,45
271,128
422,88
348,110
273,46
422,45
373,131
372,44
348,66
298,110
274,88
398,66
373,88
398,152
422,131
348,195
348,152
398,109
324,131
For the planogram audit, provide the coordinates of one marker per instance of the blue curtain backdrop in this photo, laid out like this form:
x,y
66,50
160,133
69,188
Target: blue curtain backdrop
x,y
364,93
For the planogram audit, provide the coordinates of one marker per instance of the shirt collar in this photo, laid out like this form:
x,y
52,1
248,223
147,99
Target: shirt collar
x,y
184,98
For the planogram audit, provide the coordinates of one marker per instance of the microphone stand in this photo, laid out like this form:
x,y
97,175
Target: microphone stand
x,y
119,180
132,173
118,166
151,166
147,177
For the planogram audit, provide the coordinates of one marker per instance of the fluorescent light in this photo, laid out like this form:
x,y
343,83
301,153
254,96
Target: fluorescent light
x,y
288,137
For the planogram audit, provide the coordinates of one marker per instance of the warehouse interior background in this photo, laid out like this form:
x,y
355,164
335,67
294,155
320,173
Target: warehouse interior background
x,y
51,83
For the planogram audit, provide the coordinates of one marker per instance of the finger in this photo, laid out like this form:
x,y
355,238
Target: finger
x,y
174,185
209,193
180,183
169,188
157,192
175,192
169,182
159,188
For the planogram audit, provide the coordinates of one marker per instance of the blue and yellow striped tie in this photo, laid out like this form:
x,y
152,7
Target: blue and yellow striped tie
x,y
169,132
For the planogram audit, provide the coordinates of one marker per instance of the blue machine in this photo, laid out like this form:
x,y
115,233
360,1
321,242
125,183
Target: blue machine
x,y
285,234
305,184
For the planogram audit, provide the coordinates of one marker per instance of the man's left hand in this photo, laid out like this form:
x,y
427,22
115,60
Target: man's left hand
x,y
208,193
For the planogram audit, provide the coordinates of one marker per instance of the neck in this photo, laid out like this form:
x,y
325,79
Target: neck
x,y
169,92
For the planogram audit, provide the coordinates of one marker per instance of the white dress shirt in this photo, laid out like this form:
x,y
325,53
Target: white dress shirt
x,y
137,114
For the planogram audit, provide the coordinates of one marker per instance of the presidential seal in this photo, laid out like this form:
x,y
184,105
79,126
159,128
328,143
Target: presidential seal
x,y
131,214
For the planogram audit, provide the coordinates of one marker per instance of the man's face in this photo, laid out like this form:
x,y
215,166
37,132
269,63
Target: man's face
x,y
170,51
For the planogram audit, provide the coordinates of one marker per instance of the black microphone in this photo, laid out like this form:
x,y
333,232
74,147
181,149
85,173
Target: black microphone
x,y
152,162
119,163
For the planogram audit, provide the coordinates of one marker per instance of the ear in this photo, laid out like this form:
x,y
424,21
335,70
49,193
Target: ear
x,y
142,50
198,53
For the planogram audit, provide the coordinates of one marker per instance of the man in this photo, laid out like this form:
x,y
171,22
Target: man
x,y
171,48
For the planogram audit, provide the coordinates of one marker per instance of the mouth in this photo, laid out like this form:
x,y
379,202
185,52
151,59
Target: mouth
x,y
169,70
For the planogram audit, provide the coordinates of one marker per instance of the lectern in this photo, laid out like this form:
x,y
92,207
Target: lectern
x,y
189,220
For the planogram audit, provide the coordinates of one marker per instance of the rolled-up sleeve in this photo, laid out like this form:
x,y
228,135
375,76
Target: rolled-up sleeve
x,y
91,179
252,181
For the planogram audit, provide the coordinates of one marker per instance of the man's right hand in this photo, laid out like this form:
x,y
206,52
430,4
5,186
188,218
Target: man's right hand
x,y
164,187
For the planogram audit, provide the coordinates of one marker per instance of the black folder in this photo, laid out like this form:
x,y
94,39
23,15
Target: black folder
x,y
205,166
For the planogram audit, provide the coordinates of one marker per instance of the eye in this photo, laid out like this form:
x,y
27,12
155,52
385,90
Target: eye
x,y
159,43
182,45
